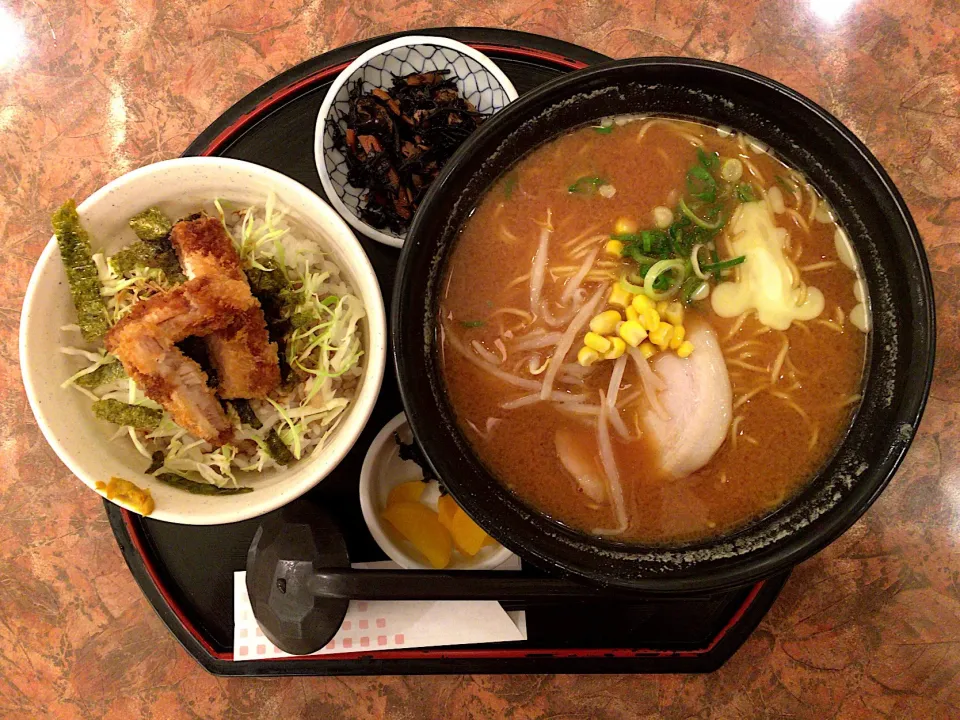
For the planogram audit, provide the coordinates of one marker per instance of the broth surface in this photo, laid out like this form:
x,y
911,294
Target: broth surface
x,y
786,422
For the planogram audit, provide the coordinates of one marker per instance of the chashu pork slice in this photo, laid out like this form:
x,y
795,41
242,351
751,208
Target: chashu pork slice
x,y
697,400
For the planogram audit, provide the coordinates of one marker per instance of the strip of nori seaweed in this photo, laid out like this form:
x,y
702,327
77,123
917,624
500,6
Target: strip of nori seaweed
x,y
157,254
156,462
101,376
196,488
272,289
74,244
276,448
120,413
246,413
151,224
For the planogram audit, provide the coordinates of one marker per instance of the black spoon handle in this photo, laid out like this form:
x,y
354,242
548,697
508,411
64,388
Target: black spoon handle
x,y
449,585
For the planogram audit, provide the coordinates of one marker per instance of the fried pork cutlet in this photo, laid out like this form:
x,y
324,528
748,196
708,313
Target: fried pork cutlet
x,y
245,359
144,340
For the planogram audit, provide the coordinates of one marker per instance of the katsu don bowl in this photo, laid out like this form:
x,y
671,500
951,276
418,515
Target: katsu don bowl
x,y
664,325
202,340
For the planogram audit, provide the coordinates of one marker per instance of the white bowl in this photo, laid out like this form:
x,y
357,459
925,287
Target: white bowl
x,y
64,415
479,80
382,471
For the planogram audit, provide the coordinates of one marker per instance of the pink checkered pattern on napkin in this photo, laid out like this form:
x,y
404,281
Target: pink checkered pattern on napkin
x,y
379,626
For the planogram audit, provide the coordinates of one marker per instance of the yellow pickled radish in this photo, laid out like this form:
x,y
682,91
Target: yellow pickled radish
x,y
406,492
421,526
489,541
468,537
446,509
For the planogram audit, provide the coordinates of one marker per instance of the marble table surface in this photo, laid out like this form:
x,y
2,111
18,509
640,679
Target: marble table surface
x,y
92,88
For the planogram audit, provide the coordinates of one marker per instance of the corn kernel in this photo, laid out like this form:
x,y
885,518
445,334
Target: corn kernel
x,y
632,333
647,350
620,297
650,319
631,313
662,307
625,226
606,322
618,348
661,335
614,247
642,302
587,356
673,313
679,331
597,342
686,347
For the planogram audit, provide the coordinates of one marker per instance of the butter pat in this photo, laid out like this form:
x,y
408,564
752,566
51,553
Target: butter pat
x,y
765,278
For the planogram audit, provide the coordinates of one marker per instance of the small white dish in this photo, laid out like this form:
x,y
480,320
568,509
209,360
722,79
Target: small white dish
x,y
382,471
64,415
479,80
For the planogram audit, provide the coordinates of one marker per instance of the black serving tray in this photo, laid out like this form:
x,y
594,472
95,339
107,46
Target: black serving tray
x,y
187,571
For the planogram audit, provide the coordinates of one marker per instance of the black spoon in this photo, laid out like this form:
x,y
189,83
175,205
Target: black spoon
x,y
300,582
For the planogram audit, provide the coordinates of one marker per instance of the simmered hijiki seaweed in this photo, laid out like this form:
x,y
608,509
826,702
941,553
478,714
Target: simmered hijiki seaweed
x,y
396,142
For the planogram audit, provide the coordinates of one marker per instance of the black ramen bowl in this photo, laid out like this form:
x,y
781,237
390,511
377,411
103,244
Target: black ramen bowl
x,y
900,347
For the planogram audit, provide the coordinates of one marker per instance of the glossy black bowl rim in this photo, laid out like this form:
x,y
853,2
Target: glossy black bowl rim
x,y
796,547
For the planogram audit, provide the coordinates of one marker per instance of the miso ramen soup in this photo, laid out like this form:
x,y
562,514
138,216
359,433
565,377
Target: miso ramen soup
x,y
653,330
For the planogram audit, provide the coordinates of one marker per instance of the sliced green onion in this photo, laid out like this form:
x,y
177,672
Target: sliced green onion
x,y
633,252
603,129
647,239
745,192
586,185
786,184
695,265
625,284
698,221
674,266
647,246
724,264
691,286
472,323
700,184
509,183
708,160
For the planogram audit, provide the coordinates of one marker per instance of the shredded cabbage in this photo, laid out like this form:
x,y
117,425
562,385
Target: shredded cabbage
x,y
324,350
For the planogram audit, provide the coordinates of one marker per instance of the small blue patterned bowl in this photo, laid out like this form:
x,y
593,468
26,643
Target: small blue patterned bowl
x,y
479,80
